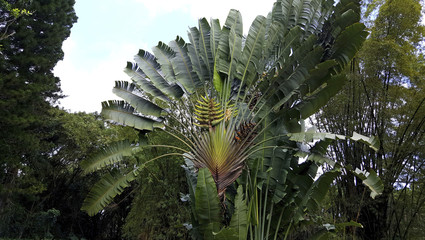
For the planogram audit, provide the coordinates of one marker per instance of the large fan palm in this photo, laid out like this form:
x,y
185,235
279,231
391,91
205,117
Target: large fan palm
x,y
229,97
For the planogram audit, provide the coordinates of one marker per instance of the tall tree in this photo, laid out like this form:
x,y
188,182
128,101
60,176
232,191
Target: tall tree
x,y
236,106
385,97
27,90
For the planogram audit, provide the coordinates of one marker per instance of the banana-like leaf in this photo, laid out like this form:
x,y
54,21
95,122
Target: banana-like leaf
x,y
296,79
348,43
104,191
290,43
207,204
346,19
147,62
310,136
320,188
221,63
110,155
139,78
312,19
252,51
194,53
272,37
228,62
373,141
318,76
215,34
238,228
183,67
129,93
234,20
204,46
371,180
284,14
122,112
164,54
313,103
239,219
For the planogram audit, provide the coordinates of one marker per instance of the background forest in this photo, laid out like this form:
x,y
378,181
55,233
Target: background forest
x,y
42,146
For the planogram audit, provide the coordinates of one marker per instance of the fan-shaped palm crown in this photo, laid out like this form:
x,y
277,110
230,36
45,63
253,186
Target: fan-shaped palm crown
x,y
222,90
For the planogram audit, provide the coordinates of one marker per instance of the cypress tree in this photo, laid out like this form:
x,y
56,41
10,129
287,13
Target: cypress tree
x,y
28,89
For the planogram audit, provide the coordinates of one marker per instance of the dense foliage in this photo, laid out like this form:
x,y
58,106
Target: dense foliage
x,y
27,87
385,98
217,129
236,106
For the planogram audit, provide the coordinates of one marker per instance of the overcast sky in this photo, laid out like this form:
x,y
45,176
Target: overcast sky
x,y
110,32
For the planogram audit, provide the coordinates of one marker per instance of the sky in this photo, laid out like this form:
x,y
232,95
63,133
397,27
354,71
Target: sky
x,y
110,32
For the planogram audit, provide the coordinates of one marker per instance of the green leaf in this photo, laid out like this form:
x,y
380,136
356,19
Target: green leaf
x,y
252,51
294,81
238,228
229,61
310,136
320,188
313,103
204,46
371,180
348,43
215,33
182,66
129,93
109,155
164,54
148,64
239,220
207,204
104,191
122,112
372,142
349,224
194,53
139,77
221,63
319,75
217,81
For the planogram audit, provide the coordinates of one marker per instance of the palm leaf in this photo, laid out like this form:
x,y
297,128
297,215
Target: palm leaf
x,y
139,78
124,113
207,203
314,102
131,94
215,31
252,50
183,67
104,191
194,52
204,46
239,220
147,62
371,180
234,21
164,54
348,43
112,154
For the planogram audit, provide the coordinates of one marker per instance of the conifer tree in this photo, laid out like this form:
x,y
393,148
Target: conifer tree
x,y
28,88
